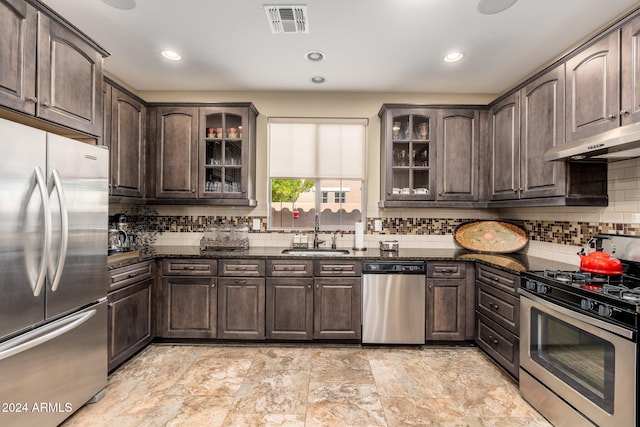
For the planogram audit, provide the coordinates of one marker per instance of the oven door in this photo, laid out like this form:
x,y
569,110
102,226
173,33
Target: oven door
x,y
587,362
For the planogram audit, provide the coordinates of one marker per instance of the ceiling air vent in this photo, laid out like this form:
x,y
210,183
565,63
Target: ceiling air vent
x,y
289,19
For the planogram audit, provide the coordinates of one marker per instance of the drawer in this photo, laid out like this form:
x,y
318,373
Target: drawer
x,y
500,344
500,306
290,268
338,268
189,267
241,267
124,276
446,270
499,279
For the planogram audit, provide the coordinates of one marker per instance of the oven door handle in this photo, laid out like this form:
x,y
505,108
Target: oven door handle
x,y
610,327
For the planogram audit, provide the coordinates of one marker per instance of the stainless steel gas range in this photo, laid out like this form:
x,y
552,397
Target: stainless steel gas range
x,y
579,342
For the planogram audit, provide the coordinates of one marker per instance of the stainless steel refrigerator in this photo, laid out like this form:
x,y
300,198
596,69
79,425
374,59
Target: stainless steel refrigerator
x,y
53,275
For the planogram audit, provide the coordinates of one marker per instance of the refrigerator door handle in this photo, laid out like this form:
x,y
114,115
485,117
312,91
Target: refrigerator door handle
x,y
44,334
39,273
56,274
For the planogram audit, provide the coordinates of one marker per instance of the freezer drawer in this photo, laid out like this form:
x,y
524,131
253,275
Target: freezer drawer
x,y
50,372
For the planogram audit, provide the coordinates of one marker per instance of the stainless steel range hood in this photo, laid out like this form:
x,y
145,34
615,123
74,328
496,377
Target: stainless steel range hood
x,y
616,144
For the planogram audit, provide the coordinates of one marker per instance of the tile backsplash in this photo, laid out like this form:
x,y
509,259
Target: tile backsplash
x,y
556,232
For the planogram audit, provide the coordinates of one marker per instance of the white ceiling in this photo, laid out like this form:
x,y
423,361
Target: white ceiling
x,y
370,45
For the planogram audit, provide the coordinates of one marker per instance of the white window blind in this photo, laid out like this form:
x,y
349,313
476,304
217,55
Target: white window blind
x,y
317,148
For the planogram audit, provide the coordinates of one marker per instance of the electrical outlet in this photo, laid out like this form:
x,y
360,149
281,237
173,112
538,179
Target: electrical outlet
x,y
377,225
256,224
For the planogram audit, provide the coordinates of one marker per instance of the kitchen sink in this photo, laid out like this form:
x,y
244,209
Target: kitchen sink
x,y
315,252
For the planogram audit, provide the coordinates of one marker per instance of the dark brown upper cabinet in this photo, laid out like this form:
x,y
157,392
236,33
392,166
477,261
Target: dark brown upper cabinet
x,y
49,70
176,147
204,153
125,130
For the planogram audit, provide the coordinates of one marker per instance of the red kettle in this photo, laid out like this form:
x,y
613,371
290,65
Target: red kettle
x,y
599,262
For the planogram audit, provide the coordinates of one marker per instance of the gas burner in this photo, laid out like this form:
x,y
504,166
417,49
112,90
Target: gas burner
x,y
631,295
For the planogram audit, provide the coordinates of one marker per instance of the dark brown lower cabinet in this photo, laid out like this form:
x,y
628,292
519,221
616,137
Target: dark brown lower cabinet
x,y
445,310
337,308
190,307
498,316
289,308
450,301
130,321
241,308
500,344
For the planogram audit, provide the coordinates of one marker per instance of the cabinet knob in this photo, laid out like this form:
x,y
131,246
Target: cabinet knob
x,y
624,112
612,117
309,286
193,190
33,99
45,104
439,193
515,190
213,285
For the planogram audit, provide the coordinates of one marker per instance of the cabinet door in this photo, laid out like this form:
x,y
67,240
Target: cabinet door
x,y
189,307
446,320
129,321
408,155
337,308
176,152
18,24
457,157
542,128
128,124
505,148
69,79
593,89
224,156
241,305
630,90
289,308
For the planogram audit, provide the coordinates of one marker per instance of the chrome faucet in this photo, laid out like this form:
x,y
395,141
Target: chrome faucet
x,y
316,229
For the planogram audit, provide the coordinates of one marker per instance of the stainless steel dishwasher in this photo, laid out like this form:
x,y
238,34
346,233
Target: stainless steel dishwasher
x,y
393,302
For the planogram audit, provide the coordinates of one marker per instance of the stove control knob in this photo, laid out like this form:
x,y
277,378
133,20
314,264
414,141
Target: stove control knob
x,y
586,304
531,286
605,310
542,289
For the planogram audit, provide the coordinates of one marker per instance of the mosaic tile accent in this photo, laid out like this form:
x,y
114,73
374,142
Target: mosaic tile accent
x,y
560,232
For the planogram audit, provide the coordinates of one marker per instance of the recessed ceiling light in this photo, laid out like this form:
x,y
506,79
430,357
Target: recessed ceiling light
x,y
453,57
314,55
121,4
317,79
171,55
490,7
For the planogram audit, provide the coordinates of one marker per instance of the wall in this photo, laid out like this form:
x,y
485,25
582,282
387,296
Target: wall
x,y
555,232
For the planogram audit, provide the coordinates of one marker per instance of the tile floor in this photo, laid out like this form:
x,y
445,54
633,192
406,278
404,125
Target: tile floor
x,y
310,385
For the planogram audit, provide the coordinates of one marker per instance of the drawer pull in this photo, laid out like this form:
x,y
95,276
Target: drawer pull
x,y
494,306
493,340
132,275
189,267
447,269
241,281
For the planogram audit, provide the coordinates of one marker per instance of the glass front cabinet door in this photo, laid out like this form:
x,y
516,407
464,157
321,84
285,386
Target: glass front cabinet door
x,y
227,155
407,155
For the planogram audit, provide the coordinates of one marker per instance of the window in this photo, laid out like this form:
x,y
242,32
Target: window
x,y
308,160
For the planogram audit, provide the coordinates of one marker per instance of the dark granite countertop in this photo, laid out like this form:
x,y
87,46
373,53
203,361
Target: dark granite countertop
x,y
511,262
